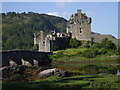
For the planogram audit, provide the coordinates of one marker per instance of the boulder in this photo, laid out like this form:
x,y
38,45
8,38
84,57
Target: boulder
x,y
63,73
13,63
50,72
5,68
46,73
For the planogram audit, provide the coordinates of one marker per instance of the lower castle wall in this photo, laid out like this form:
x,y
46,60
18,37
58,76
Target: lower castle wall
x,y
62,43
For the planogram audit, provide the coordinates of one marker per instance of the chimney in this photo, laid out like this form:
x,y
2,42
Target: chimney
x,y
79,12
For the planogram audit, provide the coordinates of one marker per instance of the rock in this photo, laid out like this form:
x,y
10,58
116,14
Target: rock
x,y
13,63
50,72
26,63
63,73
46,73
103,73
43,68
118,73
5,68
19,69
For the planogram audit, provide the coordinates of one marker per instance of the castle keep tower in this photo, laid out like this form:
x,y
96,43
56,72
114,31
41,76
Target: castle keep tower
x,y
79,26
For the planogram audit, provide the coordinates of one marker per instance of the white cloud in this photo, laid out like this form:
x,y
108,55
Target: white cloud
x,y
63,14
53,13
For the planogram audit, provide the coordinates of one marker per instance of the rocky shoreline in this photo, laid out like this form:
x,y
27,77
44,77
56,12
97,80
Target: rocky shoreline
x,y
27,74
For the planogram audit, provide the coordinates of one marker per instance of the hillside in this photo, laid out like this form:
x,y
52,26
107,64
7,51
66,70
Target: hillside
x,y
18,28
99,37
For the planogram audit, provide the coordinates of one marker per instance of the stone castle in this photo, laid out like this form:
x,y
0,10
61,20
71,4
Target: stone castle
x,y
78,26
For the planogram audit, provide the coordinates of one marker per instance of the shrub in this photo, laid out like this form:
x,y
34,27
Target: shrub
x,y
90,69
55,47
96,45
60,54
90,53
105,43
113,70
118,50
35,47
108,44
103,51
74,43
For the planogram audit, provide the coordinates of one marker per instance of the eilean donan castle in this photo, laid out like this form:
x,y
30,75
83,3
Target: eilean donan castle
x,y
78,26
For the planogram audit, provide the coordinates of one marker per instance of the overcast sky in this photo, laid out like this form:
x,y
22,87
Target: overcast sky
x,y
104,14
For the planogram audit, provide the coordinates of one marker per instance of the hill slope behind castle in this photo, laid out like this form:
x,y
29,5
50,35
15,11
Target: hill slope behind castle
x,y
19,28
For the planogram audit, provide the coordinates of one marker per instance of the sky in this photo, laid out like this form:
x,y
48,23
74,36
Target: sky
x,y
104,14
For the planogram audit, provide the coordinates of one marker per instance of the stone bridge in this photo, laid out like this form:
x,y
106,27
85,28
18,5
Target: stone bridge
x,y
24,57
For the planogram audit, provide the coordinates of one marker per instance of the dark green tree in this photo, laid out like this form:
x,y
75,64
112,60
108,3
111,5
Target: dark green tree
x,y
96,45
35,47
74,43
107,44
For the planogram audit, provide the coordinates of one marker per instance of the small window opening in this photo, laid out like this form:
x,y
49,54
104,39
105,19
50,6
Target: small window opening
x,y
80,30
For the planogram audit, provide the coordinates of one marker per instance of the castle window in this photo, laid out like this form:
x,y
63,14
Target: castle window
x,y
80,30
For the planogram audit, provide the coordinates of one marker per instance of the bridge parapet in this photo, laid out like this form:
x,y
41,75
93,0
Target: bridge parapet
x,y
23,57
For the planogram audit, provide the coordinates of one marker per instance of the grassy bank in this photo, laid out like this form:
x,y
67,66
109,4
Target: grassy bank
x,y
72,60
75,82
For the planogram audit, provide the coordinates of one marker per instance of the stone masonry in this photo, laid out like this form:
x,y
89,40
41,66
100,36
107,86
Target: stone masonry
x,y
78,26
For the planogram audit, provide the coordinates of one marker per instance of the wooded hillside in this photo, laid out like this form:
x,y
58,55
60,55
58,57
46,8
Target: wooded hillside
x,y
18,28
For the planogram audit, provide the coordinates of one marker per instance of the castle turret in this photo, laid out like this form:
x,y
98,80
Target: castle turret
x,y
79,25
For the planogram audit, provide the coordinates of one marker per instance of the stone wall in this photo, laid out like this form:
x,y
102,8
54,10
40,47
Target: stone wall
x,y
79,25
62,42
23,57
44,42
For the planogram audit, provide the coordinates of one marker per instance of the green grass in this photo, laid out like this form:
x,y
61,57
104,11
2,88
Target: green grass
x,y
71,51
81,81
73,54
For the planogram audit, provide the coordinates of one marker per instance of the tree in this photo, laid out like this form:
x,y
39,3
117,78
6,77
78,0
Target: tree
x,y
35,47
90,53
96,45
74,43
108,44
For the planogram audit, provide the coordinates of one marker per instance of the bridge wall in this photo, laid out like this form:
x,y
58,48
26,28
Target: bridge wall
x,y
23,57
